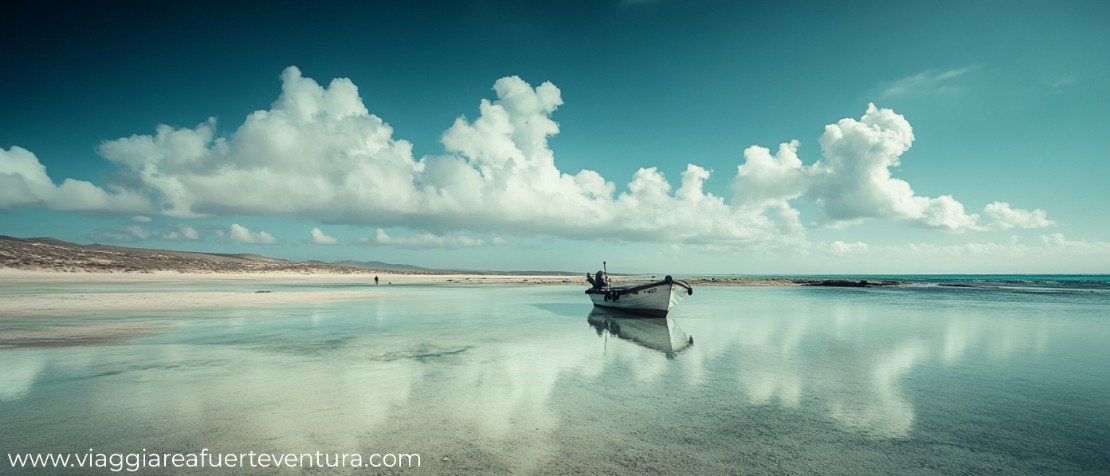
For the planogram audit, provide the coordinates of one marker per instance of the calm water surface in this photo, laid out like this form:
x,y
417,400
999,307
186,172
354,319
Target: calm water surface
x,y
525,379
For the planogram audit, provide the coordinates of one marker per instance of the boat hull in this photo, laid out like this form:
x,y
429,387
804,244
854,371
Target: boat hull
x,y
662,335
649,300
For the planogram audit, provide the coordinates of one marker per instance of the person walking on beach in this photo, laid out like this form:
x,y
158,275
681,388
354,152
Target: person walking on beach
x,y
375,280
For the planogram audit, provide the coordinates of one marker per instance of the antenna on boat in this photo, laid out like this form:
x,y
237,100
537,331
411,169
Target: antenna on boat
x,y
605,267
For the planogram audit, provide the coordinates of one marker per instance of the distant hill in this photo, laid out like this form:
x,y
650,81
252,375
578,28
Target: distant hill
x,y
385,266
56,255
407,268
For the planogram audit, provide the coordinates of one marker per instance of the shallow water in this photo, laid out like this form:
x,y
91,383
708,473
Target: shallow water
x,y
487,378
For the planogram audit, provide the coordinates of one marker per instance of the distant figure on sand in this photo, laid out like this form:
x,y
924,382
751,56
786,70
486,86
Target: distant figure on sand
x,y
375,280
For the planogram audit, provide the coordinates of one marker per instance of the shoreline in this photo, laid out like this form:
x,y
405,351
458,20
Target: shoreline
x,y
13,276
28,293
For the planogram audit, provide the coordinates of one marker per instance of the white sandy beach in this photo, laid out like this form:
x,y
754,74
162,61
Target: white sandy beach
x,y
145,291
135,291
11,276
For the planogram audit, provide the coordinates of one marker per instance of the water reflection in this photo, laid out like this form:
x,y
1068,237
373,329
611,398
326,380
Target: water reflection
x,y
20,369
852,361
659,334
519,382
873,400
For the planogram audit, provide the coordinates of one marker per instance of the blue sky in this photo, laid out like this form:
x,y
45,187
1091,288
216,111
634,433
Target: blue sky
x,y
920,137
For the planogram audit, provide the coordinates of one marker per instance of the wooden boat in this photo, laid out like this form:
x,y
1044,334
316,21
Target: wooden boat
x,y
649,300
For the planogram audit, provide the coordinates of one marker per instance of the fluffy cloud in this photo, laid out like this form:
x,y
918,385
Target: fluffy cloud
x,y
1005,218
764,178
320,238
242,234
184,232
1059,241
317,153
426,240
1051,253
853,181
24,183
134,233
840,248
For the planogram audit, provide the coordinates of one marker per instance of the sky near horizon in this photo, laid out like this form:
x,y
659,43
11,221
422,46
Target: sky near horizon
x,y
661,136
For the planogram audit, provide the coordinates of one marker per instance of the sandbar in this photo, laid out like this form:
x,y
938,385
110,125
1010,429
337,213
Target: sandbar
x,y
32,293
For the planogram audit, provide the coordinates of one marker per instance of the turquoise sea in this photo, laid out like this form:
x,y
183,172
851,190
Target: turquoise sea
x,y
1005,375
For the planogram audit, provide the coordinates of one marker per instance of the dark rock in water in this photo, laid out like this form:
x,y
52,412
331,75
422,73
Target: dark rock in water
x,y
846,283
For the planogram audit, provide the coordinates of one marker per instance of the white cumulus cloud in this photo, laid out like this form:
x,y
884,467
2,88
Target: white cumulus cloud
x,y
242,234
25,183
1005,218
1059,241
853,180
426,240
318,153
840,248
152,231
188,232
321,238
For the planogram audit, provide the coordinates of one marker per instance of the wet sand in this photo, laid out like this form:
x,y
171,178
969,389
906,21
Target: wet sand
x,y
122,292
71,335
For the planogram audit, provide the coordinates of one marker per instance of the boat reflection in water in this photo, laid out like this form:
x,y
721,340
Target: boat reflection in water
x,y
660,334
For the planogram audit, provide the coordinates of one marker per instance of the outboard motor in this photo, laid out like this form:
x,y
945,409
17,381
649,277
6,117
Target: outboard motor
x,y
599,280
